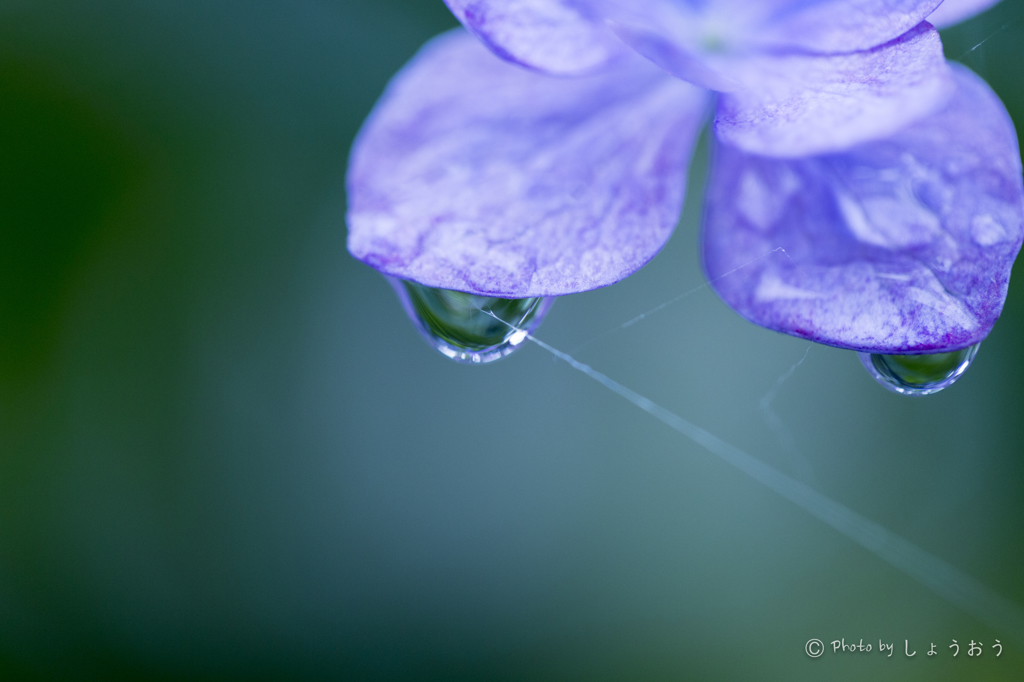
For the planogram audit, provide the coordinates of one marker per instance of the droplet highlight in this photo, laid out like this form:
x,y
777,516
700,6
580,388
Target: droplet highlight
x,y
919,374
463,327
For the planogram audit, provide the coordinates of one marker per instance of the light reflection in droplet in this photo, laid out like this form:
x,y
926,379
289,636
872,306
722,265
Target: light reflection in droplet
x,y
919,374
464,327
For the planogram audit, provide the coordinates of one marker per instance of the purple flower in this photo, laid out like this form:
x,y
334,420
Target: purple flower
x,y
891,180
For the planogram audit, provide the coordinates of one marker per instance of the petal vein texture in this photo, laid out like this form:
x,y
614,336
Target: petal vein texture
x,y
831,26
744,26
476,175
797,105
903,245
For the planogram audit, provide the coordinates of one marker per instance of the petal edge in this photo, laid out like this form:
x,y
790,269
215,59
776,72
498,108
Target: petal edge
x,y
550,36
801,105
904,245
952,12
472,174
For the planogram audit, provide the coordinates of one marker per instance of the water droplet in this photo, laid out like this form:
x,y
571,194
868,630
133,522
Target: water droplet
x,y
919,374
463,327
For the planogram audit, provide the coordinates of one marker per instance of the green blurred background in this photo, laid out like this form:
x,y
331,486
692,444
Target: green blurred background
x,y
226,454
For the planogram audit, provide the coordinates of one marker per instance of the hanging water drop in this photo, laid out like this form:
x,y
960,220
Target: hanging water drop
x,y
464,327
919,374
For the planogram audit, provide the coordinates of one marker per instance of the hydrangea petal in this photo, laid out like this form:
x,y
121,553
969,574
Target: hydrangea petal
x,y
553,36
476,175
705,42
903,245
712,71
952,12
800,104
833,26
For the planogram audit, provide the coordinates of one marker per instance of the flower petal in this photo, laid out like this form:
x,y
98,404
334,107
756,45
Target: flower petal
x,y
703,31
833,26
954,11
798,105
476,175
553,36
903,245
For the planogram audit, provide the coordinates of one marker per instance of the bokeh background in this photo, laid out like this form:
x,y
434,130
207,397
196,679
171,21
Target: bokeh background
x,y
225,454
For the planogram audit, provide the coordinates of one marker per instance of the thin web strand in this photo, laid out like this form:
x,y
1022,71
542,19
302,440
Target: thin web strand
x,y
797,461
940,577
994,34
658,308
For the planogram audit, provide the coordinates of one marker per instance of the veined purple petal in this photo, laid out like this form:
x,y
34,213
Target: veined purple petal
x,y
706,43
798,105
553,36
954,11
903,245
476,175
833,26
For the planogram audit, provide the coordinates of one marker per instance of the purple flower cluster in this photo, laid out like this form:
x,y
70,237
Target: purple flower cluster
x,y
544,152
